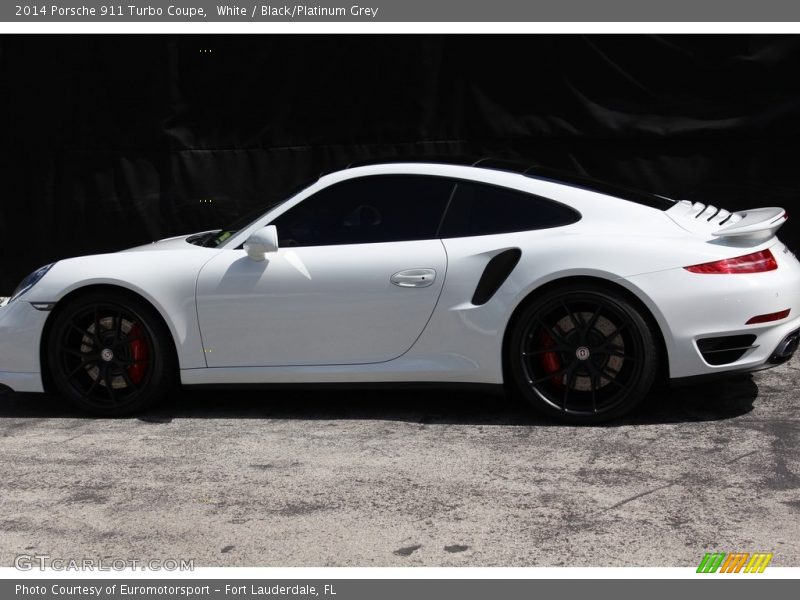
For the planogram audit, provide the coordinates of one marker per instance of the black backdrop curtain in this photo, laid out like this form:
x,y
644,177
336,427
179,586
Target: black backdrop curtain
x,y
112,141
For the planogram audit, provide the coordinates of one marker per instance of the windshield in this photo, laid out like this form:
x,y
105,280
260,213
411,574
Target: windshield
x,y
214,239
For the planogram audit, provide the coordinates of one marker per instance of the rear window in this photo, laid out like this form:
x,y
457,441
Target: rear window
x,y
484,209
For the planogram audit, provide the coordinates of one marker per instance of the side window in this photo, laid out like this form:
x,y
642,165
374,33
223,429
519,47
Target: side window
x,y
483,209
377,208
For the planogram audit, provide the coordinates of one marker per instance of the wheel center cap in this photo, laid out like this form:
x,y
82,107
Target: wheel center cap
x,y
107,354
582,353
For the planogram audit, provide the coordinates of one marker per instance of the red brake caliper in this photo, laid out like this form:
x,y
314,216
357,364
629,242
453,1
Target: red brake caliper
x,y
550,361
139,352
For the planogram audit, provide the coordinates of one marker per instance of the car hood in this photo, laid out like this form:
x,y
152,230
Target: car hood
x,y
173,243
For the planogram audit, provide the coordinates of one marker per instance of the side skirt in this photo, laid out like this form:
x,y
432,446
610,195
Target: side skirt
x,y
484,388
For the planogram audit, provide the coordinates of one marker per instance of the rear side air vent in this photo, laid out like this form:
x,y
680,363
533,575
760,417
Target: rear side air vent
x,y
496,272
725,350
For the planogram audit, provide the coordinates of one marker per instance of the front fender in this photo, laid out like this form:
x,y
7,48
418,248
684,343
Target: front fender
x,y
167,281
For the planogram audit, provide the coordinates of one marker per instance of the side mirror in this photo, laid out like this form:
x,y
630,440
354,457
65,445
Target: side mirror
x,y
262,242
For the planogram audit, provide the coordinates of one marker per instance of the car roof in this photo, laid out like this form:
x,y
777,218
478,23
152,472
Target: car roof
x,y
535,171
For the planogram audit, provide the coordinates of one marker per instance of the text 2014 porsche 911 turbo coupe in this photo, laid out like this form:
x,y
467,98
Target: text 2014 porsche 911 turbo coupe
x,y
576,295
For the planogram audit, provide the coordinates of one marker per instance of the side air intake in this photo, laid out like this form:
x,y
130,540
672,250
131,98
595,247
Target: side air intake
x,y
496,272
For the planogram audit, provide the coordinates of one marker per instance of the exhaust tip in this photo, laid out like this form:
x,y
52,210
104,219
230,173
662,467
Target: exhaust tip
x,y
786,348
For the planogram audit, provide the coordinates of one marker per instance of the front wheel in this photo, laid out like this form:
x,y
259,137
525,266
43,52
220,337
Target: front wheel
x,y
110,354
582,354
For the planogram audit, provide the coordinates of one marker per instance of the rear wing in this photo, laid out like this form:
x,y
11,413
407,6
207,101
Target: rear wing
x,y
704,219
755,223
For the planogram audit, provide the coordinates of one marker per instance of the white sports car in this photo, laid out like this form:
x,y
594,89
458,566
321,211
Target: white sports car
x,y
575,294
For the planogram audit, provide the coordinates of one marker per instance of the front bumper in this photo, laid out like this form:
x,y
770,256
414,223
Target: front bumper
x,y
21,382
21,328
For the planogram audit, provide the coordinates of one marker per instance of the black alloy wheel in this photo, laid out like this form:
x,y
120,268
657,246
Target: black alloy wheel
x,y
110,354
583,355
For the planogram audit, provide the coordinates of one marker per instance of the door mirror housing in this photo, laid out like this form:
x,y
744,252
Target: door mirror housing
x,y
262,242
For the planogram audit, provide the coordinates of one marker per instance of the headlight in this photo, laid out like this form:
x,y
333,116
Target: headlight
x,y
30,281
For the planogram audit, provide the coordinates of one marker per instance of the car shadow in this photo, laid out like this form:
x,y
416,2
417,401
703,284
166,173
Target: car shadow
x,y
715,401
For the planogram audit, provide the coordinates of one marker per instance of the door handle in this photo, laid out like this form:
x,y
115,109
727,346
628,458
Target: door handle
x,y
414,278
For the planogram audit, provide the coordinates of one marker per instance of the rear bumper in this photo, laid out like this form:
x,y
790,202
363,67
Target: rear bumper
x,y
783,353
693,309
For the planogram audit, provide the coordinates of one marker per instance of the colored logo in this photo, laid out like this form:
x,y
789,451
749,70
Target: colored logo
x,y
737,562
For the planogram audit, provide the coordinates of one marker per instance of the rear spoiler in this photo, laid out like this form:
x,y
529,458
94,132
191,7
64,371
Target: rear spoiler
x,y
754,223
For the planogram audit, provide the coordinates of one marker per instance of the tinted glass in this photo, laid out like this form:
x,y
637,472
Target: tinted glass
x,y
380,208
481,209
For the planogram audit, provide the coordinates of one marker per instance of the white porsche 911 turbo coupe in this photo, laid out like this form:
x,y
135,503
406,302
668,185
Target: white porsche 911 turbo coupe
x,y
577,295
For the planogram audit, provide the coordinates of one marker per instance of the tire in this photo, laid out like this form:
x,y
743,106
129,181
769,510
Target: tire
x,y
582,354
110,354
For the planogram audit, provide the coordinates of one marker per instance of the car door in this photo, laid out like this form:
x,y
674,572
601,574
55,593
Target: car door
x,y
355,280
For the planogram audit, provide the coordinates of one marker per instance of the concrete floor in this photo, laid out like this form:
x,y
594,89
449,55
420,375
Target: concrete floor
x,y
398,478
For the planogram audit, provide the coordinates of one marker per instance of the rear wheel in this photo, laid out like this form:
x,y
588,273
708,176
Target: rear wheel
x,y
582,354
110,354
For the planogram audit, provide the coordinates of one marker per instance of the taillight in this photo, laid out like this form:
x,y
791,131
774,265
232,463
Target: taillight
x,y
757,262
